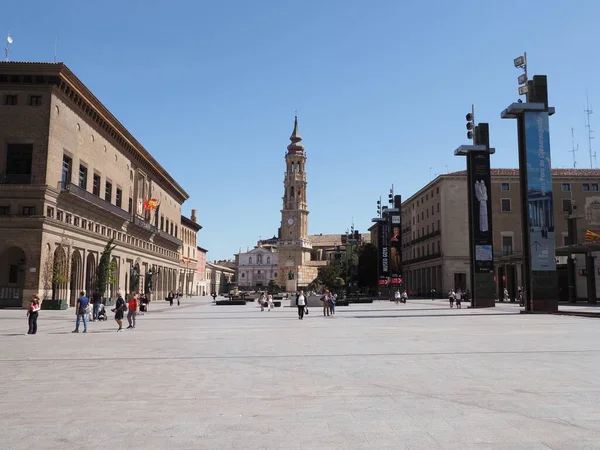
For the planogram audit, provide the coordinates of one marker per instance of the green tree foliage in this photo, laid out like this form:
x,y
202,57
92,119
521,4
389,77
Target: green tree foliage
x,y
332,275
367,267
103,272
273,287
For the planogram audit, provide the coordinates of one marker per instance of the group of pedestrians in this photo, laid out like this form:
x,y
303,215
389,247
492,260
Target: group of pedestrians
x,y
328,299
132,307
457,297
400,297
266,300
174,295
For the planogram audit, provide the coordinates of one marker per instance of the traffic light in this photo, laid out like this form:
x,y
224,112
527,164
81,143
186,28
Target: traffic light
x,y
470,125
379,208
397,201
391,197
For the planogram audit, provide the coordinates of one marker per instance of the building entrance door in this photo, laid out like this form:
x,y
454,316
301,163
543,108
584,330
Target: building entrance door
x,y
460,280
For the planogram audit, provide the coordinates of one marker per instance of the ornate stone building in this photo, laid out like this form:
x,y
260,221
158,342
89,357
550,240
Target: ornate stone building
x,y
257,267
72,178
188,262
295,268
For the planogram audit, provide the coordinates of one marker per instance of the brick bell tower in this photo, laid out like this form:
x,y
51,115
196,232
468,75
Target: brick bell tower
x,y
294,246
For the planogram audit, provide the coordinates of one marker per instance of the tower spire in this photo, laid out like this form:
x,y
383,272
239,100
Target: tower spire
x,y
295,146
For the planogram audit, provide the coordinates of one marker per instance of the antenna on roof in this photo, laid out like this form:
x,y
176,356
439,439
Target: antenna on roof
x,y
55,45
588,111
574,149
9,40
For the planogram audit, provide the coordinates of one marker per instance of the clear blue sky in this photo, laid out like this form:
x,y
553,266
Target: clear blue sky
x,y
381,89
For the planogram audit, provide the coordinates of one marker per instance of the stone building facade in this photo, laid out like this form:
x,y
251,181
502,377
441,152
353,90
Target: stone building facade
x,y
257,267
189,254
201,287
220,278
71,179
435,228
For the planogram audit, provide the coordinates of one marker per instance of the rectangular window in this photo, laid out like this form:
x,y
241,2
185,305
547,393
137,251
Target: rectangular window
x,y
67,165
18,163
59,215
595,187
50,212
566,240
108,192
35,100
68,218
438,207
505,187
82,177
29,210
507,245
4,210
130,206
96,185
83,224
566,187
586,187
76,221
566,204
13,273
505,206
119,197
10,99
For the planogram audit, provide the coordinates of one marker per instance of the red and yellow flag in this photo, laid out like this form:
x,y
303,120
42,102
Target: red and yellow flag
x,y
590,236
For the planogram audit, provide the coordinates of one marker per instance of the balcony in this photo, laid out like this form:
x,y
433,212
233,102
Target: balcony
x,y
145,225
95,200
15,178
508,253
170,238
423,258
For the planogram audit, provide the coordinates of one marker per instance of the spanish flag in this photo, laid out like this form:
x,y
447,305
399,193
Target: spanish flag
x,y
590,236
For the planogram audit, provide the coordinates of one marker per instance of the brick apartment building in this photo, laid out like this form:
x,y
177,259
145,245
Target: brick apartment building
x,y
71,178
435,229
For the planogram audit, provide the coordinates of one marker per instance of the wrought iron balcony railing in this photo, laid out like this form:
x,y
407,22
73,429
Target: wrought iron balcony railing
x,y
82,193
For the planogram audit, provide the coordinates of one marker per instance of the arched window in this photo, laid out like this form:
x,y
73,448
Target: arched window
x,y
292,192
268,260
250,260
243,275
258,259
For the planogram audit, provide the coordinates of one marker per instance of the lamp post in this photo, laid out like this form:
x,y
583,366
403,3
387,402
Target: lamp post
x,y
535,178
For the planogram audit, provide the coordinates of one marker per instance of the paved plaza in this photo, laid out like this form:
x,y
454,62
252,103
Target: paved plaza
x,y
198,376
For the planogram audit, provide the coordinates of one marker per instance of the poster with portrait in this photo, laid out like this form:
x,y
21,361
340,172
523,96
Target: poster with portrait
x,y
481,210
396,249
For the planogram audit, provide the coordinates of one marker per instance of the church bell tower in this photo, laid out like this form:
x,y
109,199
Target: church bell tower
x,y
294,246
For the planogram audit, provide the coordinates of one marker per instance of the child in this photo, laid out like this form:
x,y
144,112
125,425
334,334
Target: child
x,y
32,314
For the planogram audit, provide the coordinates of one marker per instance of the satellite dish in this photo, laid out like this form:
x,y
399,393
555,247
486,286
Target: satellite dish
x,y
9,39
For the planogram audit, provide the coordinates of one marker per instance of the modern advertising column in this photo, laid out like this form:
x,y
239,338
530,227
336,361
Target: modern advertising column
x,y
395,234
481,238
537,205
383,254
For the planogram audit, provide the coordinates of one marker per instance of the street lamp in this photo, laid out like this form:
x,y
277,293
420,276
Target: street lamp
x,y
520,62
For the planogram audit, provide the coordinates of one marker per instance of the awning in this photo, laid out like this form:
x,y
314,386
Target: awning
x,y
579,248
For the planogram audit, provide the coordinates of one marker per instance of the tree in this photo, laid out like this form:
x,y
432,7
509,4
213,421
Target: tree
x,y
273,287
367,266
103,274
330,275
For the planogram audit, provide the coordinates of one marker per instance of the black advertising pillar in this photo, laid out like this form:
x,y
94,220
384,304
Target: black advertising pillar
x,y
395,234
384,253
483,287
537,205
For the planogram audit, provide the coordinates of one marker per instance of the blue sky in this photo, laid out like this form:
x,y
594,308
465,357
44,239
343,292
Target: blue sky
x,y
381,89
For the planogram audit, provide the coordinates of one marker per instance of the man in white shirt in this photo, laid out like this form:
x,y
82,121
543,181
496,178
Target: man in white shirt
x,y
301,303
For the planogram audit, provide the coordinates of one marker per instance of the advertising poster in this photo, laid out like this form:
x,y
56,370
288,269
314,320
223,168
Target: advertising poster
x,y
396,249
384,253
539,191
481,214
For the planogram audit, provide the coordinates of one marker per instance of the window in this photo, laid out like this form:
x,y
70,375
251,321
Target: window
x,y
29,210
172,229
566,204
162,223
10,99
566,187
250,260
507,245
586,187
130,206
76,221
96,185
175,230
566,240
243,275
4,210
595,187
505,205
13,273
59,215
437,190
82,177
438,207
50,212
68,218
35,100
505,187
66,170
83,224
18,163
119,197
108,192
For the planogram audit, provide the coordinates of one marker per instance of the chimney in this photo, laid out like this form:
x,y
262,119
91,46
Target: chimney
x,y
194,218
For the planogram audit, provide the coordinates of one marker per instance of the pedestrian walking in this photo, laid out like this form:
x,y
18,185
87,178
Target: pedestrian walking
x,y
81,309
119,310
458,297
301,304
32,314
404,296
433,294
325,300
261,301
451,296
270,301
332,299
178,296
96,302
170,297
132,307
397,296
505,296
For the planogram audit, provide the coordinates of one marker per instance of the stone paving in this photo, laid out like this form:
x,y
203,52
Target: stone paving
x,y
198,376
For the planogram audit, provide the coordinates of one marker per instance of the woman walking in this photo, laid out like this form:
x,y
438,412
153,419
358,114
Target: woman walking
x,y
301,303
32,314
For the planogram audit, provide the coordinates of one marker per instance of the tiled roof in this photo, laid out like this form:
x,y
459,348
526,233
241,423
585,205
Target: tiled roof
x,y
330,240
555,172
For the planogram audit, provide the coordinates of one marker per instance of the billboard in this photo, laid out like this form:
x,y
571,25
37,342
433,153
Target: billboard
x,y
479,180
396,249
539,191
384,253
